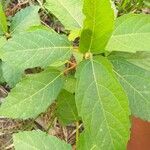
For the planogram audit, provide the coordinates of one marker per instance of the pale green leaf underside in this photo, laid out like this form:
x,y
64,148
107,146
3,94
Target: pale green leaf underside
x,y
102,104
24,19
98,25
69,12
66,111
38,140
11,74
37,48
32,95
131,34
32,49
136,82
3,22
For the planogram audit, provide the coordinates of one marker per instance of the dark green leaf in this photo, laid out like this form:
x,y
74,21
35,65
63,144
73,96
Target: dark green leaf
x,y
66,108
70,83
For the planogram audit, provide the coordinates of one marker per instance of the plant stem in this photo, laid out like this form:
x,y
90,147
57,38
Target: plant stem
x,y
40,3
77,131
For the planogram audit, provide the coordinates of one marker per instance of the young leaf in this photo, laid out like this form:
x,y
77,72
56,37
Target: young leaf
x,y
66,108
136,82
132,33
69,12
37,48
32,95
24,19
74,34
38,140
102,104
3,22
98,25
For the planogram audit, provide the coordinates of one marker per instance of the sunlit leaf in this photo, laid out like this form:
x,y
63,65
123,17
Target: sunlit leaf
x,y
32,95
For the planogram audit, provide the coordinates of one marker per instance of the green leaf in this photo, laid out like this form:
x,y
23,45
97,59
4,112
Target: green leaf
x,y
2,42
98,25
38,140
5,3
38,48
69,12
131,34
66,111
1,73
24,19
69,84
147,3
12,75
136,82
102,104
74,34
78,56
3,22
32,95
141,59
40,27
85,142
52,50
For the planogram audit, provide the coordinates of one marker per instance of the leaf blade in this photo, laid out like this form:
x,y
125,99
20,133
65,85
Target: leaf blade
x,y
38,140
1,73
3,22
66,110
69,12
136,82
24,100
44,48
99,101
131,34
96,30
24,19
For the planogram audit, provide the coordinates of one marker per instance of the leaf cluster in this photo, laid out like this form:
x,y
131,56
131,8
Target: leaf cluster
x,y
99,82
